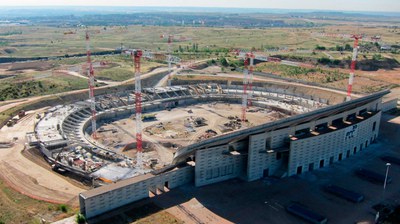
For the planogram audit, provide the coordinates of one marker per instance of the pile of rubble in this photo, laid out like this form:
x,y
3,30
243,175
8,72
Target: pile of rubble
x,y
208,134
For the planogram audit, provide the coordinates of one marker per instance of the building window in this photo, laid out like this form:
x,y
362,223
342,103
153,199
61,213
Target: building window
x,y
278,156
208,174
321,163
366,144
348,154
331,160
355,150
266,173
311,167
299,169
216,172
340,156
374,126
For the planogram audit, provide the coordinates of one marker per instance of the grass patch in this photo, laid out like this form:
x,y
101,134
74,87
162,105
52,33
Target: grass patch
x,y
316,75
146,214
63,208
34,85
160,217
116,74
125,70
18,208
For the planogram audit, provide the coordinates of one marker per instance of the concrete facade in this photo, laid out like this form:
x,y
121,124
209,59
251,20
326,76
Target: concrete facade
x,y
217,164
99,200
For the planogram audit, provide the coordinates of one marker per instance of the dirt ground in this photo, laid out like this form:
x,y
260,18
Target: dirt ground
x,y
25,66
174,128
19,208
27,177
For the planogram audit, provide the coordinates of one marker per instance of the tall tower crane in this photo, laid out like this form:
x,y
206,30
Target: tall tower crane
x,y
171,38
353,66
169,51
90,73
245,85
251,57
248,71
136,55
357,38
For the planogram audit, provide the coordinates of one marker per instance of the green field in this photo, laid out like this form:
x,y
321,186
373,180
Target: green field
x,y
50,41
36,84
18,208
317,75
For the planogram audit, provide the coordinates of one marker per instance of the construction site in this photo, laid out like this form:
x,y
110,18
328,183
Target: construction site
x,y
125,144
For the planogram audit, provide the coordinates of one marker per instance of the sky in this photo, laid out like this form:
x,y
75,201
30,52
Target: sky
x,y
347,5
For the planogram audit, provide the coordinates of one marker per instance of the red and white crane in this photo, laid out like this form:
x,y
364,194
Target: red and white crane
x,y
353,66
251,57
90,73
357,38
170,58
245,85
136,55
248,73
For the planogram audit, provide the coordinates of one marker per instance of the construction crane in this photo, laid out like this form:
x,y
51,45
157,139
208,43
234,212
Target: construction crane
x,y
170,39
357,38
90,73
245,85
136,55
353,66
154,55
249,57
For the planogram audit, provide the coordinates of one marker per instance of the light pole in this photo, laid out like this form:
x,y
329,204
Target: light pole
x,y
387,172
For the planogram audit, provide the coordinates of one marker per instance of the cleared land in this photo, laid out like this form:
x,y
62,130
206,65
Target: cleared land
x,y
180,127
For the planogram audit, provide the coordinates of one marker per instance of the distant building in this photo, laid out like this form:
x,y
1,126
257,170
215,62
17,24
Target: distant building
x,y
386,47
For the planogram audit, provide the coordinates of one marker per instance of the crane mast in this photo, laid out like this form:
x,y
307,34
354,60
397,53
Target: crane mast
x,y
251,71
90,74
138,110
245,86
170,37
353,66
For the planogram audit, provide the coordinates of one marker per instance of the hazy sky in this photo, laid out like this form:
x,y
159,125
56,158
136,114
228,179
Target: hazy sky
x,y
352,5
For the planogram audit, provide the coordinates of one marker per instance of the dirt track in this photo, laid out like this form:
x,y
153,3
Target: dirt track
x,y
27,177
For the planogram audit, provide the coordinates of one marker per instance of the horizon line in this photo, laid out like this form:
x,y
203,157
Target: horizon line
x,y
211,7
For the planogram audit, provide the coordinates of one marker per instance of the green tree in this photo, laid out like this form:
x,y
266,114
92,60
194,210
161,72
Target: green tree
x,y
347,47
320,48
223,62
80,219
